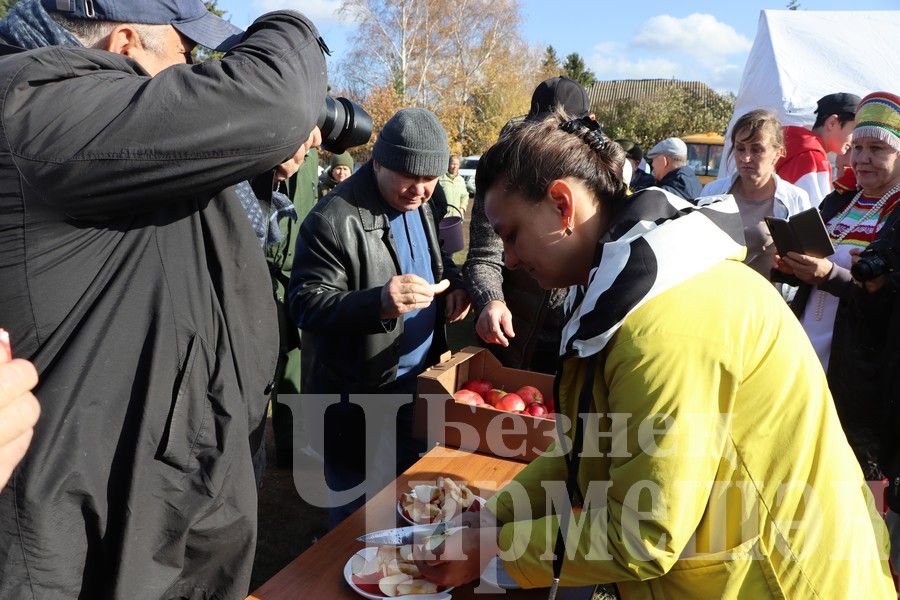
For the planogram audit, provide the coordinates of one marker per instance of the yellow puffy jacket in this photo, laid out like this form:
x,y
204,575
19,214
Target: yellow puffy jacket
x,y
720,469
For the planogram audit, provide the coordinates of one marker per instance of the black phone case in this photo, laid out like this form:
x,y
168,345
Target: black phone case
x,y
804,233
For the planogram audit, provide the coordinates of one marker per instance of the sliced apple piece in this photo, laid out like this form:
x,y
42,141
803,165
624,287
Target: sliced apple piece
x,y
409,568
416,586
450,509
406,552
425,493
388,585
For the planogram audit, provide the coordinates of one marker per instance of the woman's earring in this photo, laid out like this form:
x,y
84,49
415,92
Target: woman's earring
x,y
568,229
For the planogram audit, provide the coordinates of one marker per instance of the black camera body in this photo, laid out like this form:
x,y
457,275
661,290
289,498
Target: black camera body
x,y
881,257
344,124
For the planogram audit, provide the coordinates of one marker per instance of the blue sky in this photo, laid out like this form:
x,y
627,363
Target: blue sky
x,y
701,40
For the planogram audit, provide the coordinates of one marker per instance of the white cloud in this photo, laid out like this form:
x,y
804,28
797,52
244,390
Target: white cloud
x,y
700,36
318,11
726,78
692,48
610,60
621,67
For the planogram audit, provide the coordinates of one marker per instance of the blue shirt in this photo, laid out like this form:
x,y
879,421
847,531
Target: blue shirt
x,y
415,258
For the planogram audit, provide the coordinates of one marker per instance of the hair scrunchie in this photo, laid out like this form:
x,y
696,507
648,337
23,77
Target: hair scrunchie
x,y
588,129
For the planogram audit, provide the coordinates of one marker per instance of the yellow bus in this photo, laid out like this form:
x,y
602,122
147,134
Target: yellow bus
x,y
704,154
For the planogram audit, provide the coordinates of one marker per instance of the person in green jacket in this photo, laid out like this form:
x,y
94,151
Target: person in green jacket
x,y
340,168
454,187
301,188
703,455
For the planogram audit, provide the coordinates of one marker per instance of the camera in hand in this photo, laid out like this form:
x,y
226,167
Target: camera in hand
x,y
880,257
344,124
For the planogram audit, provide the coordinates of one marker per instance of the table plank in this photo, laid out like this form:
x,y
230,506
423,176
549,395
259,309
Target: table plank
x,y
318,572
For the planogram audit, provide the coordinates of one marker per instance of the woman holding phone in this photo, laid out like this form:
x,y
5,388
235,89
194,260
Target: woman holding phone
x,y
850,310
757,143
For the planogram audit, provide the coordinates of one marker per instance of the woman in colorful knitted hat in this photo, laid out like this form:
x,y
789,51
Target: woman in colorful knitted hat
x,y
850,306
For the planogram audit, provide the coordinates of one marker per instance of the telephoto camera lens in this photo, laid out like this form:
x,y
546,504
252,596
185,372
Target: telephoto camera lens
x,y
344,124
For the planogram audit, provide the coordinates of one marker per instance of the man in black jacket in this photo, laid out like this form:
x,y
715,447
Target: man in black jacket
x,y
368,292
134,281
669,162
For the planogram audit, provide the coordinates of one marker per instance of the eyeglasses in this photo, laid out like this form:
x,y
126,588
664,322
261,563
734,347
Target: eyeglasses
x,y
188,56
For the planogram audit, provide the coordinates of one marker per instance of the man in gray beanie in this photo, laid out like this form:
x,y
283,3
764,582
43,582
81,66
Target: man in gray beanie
x,y
371,291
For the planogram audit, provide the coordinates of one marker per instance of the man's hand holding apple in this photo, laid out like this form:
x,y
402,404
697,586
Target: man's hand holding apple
x,y
406,293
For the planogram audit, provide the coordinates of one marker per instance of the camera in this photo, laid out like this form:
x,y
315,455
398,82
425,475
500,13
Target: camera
x,y
879,258
344,124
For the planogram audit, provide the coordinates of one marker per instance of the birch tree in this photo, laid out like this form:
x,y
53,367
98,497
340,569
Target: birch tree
x,y
465,61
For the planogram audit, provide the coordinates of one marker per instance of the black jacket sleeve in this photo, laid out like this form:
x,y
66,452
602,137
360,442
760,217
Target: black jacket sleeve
x,y
319,295
103,139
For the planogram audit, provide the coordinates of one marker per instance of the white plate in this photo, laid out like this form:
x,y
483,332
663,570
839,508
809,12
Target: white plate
x,y
412,493
369,553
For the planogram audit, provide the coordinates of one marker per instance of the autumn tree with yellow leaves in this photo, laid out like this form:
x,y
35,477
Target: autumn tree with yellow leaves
x,y
466,61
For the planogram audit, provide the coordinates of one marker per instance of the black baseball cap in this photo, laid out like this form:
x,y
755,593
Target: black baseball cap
x,y
842,103
189,17
559,91
632,150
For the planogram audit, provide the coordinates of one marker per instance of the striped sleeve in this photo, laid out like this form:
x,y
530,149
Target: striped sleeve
x,y
810,174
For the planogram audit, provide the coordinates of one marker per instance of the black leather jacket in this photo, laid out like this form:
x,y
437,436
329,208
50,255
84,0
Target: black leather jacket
x,y
344,256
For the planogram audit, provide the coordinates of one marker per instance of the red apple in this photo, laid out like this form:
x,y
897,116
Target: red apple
x,y
468,397
368,584
536,409
511,402
479,386
530,394
494,396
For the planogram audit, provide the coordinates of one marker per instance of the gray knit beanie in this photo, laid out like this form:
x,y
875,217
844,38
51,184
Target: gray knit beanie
x,y
413,141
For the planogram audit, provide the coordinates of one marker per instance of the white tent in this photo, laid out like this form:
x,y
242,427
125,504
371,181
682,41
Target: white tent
x,y
799,56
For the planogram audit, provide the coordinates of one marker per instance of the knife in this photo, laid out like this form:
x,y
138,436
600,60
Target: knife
x,y
401,536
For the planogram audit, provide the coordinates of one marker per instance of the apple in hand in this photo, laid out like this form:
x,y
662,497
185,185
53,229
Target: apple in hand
x,y
479,386
468,397
530,394
494,396
511,403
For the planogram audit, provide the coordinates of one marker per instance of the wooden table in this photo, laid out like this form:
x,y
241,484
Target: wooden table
x,y
318,573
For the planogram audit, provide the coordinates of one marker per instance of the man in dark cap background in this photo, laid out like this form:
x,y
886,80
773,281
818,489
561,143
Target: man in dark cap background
x,y
640,179
805,162
668,159
518,320
371,291
134,281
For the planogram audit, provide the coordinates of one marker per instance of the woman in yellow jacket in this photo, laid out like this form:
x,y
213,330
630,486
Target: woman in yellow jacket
x,y
709,461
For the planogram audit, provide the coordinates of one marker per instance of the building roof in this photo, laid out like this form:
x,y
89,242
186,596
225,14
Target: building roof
x,y
606,93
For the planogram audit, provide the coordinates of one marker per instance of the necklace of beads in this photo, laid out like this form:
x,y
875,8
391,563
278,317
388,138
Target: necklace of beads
x,y
876,208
